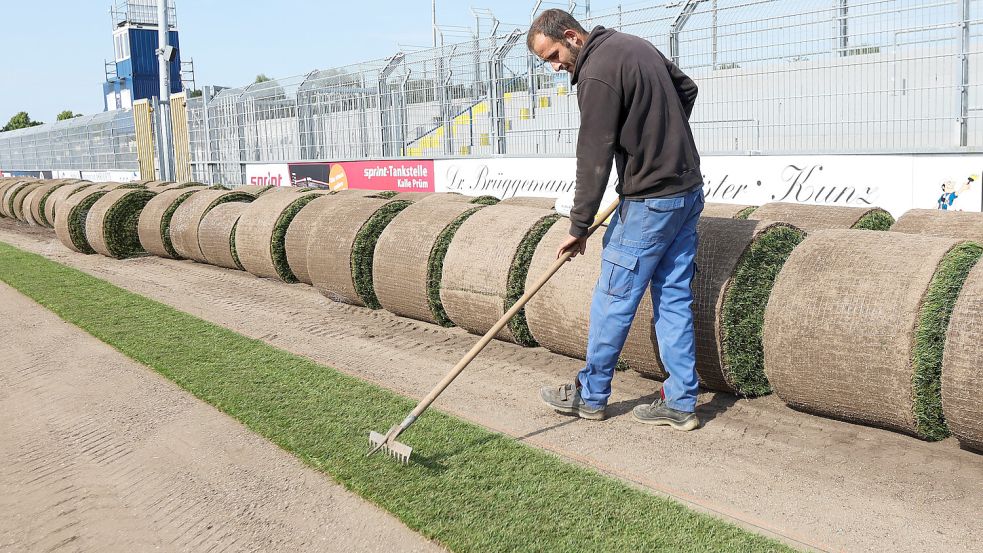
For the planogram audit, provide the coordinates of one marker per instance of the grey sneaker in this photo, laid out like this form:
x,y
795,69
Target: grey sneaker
x,y
566,399
661,414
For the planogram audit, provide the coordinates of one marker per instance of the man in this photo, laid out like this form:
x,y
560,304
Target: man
x,y
634,108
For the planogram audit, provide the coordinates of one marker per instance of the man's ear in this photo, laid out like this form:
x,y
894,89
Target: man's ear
x,y
573,38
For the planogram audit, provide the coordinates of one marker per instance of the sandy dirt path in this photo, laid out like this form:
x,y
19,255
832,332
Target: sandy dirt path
x,y
99,453
810,481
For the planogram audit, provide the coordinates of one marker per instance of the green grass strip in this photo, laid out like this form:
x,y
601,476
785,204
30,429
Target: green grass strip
x,y
516,285
743,310
363,250
933,323
165,223
232,246
745,213
120,224
76,222
218,187
435,267
278,245
467,488
877,219
387,194
485,200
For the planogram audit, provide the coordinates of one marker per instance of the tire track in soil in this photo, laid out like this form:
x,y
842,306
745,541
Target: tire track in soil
x,y
755,462
102,454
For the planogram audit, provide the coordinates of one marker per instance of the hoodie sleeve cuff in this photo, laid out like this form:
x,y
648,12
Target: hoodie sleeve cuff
x,y
577,231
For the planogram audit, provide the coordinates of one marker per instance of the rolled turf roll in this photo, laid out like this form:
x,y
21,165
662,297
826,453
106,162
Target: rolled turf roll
x,y
298,236
59,196
341,246
7,205
111,225
216,235
36,201
33,197
71,217
18,197
542,203
856,326
409,258
728,211
5,185
962,364
183,229
963,225
261,233
153,227
256,190
486,266
819,217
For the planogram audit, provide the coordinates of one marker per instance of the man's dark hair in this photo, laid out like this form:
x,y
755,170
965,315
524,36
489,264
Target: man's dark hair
x,y
553,23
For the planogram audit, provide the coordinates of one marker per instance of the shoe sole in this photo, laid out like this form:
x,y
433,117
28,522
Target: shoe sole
x,y
690,424
574,411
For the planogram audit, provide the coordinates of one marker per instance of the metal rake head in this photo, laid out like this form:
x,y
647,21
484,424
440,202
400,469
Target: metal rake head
x,y
387,443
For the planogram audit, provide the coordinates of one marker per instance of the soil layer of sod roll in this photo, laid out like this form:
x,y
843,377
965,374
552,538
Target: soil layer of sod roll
x,y
255,189
111,225
298,234
819,217
183,229
262,230
59,196
342,243
737,262
216,235
5,186
13,202
70,221
728,211
855,328
153,227
409,258
962,365
558,316
528,201
486,265
962,225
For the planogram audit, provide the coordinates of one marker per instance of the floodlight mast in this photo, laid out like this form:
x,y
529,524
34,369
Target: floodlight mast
x,y
164,107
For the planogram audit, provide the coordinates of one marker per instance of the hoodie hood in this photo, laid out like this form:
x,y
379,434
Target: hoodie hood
x,y
595,39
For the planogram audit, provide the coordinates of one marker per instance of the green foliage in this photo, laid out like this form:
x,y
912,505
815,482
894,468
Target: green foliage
x,y
67,114
119,227
435,267
363,250
278,247
517,279
468,489
743,310
76,221
485,200
20,121
745,213
933,323
261,78
877,219
232,246
44,202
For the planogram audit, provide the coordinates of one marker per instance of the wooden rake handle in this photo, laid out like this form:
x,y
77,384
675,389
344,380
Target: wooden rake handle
x,y
497,327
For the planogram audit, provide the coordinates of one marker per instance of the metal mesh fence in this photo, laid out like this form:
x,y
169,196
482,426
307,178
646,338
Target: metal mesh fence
x,y
775,77
105,141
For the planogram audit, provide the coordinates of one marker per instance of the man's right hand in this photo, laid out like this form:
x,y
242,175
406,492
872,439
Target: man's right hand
x,y
572,244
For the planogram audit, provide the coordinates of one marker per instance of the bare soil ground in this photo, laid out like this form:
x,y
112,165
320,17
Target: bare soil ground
x,y
810,481
99,453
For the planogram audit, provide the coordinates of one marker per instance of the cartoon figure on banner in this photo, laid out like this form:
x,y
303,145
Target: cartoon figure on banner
x,y
950,193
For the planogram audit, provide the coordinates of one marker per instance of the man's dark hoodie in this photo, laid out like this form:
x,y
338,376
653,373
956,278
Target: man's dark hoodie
x,y
634,106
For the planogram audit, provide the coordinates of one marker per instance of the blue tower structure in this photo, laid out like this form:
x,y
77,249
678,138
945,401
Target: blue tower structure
x,y
134,73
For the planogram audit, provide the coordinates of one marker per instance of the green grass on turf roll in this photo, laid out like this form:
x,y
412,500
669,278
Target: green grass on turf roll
x,y
111,225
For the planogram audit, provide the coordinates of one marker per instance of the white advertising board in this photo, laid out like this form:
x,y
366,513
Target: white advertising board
x,y
110,176
268,174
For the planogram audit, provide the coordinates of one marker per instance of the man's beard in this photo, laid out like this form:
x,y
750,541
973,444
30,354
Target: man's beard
x,y
574,56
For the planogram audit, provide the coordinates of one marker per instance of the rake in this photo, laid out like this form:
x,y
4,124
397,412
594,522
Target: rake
x,y
400,451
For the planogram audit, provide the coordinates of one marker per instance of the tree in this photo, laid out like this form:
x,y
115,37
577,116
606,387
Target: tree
x,y
194,93
20,121
261,78
67,114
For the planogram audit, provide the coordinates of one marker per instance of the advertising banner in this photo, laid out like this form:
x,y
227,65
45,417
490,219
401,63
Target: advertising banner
x,y
396,176
268,174
110,176
66,174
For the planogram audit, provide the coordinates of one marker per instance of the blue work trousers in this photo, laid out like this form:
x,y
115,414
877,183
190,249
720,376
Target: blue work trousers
x,y
649,244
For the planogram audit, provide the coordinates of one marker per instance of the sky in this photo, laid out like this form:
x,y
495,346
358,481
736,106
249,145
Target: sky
x,y
53,51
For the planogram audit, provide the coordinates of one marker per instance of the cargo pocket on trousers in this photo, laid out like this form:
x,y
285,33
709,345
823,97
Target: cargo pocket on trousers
x,y
617,272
